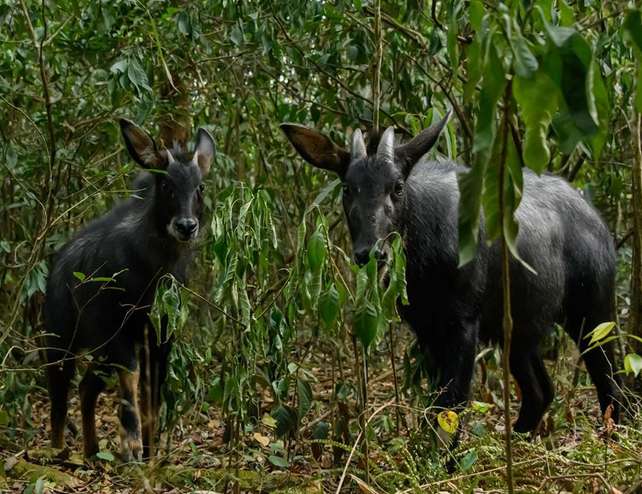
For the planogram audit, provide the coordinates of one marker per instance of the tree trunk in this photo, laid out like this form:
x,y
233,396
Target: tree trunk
x,y
176,122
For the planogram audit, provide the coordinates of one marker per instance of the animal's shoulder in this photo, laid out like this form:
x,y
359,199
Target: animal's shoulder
x,y
435,177
97,235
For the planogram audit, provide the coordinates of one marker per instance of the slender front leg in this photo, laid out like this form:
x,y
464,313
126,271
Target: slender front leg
x,y
154,363
131,444
90,388
451,353
454,355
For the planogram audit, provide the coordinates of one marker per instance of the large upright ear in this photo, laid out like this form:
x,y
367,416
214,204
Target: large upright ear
x,y
204,151
141,146
317,149
408,154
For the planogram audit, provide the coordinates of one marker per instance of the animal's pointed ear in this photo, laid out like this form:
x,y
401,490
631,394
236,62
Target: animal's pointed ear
x,y
204,151
317,149
141,146
408,154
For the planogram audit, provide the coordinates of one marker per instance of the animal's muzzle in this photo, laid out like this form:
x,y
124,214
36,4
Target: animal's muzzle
x,y
186,227
362,256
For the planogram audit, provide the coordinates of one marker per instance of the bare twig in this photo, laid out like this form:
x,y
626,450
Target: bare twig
x,y
433,14
624,239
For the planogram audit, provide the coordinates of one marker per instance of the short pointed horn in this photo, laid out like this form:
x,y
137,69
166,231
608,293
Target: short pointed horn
x,y
358,150
386,148
170,158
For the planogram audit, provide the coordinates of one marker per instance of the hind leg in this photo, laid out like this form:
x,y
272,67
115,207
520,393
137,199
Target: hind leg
x,y
599,364
90,388
528,370
59,377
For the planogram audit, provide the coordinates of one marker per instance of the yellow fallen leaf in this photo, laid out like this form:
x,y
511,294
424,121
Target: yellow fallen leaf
x,y
448,421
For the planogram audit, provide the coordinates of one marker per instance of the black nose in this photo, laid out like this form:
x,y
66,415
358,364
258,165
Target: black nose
x,y
186,226
362,256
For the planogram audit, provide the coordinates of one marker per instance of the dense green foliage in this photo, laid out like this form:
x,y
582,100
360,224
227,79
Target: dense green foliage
x,y
277,326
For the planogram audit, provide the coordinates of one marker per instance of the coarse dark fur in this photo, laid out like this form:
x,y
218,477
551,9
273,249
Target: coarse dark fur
x,y
451,309
122,255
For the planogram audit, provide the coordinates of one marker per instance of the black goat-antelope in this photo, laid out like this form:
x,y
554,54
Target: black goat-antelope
x,y
140,240
386,188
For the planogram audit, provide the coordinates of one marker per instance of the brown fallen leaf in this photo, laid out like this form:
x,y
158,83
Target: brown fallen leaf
x,y
261,439
10,463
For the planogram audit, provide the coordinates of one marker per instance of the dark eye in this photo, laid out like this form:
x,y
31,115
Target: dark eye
x,y
399,188
346,189
167,188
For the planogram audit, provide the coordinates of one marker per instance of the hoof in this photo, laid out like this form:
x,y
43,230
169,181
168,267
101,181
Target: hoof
x,y
523,427
90,450
131,449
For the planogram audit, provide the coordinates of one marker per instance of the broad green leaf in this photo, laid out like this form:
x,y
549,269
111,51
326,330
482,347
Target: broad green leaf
x,y
286,420
602,110
278,461
468,460
493,86
568,64
524,61
633,364
304,397
474,62
184,24
476,14
79,275
316,251
269,421
366,324
512,197
105,456
470,190
327,190
137,75
329,307
600,332
399,268
566,14
471,183
480,406
118,67
633,28
537,100
236,35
